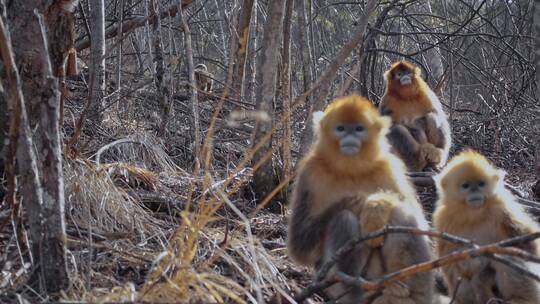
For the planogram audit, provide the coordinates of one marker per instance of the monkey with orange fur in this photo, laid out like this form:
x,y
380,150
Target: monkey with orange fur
x,y
420,134
474,204
349,184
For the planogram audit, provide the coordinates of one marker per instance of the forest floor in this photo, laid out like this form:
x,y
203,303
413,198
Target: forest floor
x,y
130,237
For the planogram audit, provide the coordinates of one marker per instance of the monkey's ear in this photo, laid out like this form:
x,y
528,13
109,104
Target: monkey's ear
x,y
317,118
387,75
417,71
499,175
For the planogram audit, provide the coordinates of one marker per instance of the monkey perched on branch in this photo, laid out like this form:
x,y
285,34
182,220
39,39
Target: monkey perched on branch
x,y
349,184
420,133
203,78
474,204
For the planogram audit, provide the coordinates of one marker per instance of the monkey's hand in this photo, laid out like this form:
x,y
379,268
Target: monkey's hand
x,y
430,153
395,293
375,215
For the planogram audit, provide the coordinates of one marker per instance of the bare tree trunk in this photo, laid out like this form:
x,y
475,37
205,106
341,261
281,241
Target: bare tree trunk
x,y
44,197
241,49
161,87
193,85
20,146
254,40
53,243
264,178
303,34
97,59
286,90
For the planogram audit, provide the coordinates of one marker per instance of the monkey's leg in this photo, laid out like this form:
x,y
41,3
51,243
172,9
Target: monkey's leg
x,y
342,228
482,284
405,146
514,287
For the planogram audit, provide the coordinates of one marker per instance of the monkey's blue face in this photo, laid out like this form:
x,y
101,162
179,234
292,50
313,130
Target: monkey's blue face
x,y
404,77
350,137
474,192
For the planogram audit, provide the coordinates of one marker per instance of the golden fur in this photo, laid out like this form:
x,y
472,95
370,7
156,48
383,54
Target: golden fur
x,y
339,196
335,176
499,218
410,102
420,133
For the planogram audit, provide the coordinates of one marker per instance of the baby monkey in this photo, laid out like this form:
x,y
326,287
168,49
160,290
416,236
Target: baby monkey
x,y
474,204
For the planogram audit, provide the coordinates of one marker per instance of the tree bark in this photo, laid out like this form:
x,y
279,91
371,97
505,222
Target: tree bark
x,y
20,149
253,50
264,179
192,81
53,243
97,59
286,91
241,49
44,196
161,87
305,46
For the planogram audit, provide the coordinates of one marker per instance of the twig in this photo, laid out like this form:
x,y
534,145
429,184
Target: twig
x,y
491,251
451,258
114,143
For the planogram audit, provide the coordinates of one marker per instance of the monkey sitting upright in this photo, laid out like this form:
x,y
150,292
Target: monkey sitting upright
x,y
474,204
349,184
203,78
420,134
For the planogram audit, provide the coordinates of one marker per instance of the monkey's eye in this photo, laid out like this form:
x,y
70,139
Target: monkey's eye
x,y
398,73
359,129
482,184
340,128
465,186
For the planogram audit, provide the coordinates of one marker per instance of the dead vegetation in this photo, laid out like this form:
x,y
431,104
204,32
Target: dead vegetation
x,y
147,223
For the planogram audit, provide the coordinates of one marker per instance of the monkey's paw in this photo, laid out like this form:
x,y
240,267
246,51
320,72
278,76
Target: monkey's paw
x,y
397,293
430,153
375,215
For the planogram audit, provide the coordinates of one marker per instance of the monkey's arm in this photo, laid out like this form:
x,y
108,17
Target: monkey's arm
x,y
383,106
438,135
306,233
406,146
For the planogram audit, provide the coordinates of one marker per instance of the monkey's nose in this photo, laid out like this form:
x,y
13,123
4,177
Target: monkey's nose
x,y
475,200
405,80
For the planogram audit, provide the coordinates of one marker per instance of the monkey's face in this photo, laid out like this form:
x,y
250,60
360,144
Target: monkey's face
x,y
404,76
351,126
470,179
401,74
473,192
350,136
